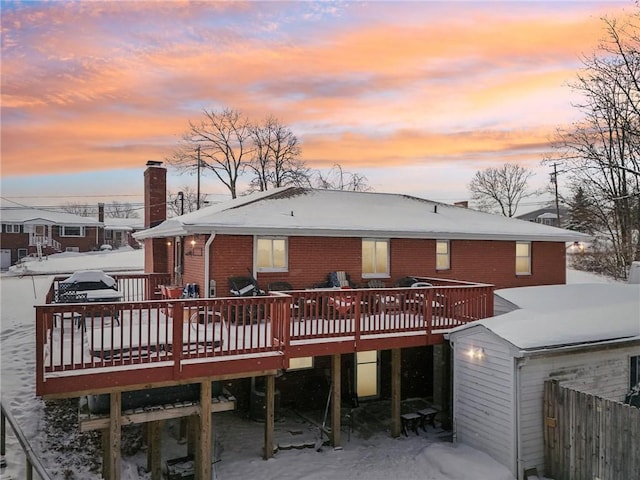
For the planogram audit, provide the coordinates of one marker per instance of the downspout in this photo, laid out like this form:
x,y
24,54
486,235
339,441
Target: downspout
x,y
206,264
454,435
520,362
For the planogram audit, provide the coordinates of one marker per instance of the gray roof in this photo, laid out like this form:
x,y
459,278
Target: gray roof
x,y
295,212
22,215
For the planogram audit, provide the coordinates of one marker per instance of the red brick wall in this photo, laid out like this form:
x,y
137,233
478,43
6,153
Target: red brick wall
x,y
312,258
14,241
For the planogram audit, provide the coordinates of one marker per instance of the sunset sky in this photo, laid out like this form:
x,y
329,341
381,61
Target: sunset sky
x,y
416,96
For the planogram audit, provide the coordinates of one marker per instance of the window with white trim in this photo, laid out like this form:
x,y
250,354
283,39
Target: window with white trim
x,y
523,258
375,258
443,260
634,371
271,254
11,228
22,252
71,231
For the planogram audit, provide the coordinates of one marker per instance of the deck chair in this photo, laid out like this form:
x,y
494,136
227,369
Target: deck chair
x,y
405,282
243,287
376,284
279,287
339,279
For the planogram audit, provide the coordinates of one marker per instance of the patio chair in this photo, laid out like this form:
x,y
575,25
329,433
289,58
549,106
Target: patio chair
x,y
405,282
376,284
279,287
339,279
244,287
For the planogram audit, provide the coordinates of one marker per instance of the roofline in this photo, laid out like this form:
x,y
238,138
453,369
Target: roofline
x,y
595,345
520,352
185,230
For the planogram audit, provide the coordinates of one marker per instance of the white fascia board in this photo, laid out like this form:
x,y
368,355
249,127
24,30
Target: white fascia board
x,y
327,232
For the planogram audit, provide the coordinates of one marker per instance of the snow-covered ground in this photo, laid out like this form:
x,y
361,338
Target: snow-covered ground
x,y
52,426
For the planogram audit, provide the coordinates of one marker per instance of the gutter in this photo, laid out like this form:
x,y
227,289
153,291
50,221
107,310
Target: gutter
x,y
207,260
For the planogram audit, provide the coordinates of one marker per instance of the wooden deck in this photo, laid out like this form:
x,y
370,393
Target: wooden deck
x,y
94,347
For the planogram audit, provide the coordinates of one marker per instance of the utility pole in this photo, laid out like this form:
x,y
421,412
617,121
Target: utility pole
x,y
181,198
554,180
198,192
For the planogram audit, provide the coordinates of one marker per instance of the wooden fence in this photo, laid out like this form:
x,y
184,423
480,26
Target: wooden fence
x,y
589,437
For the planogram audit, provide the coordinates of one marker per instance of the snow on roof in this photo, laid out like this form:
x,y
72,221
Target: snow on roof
x,y
35,215
553,316
123,224
296,211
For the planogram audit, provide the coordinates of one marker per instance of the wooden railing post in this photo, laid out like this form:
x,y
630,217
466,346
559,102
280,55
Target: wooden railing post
x,y
40,334
176,309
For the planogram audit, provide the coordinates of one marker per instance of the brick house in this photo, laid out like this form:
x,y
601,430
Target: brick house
x,y
31,231
300,235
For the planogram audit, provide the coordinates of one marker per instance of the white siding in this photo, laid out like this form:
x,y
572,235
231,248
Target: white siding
x,y
602,372
484,395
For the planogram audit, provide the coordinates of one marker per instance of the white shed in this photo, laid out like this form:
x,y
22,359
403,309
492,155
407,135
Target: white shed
x,y
587,336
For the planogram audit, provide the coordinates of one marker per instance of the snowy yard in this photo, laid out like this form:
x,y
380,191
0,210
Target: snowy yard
x,y
53,431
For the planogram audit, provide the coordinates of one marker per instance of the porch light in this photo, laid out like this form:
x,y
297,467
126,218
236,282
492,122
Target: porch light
x,y
168,244
193,242
475,353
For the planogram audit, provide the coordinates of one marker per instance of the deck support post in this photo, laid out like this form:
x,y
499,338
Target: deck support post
x,y
442,379
269,415
191,435
203,449
336,377
112,452
154,449
396,389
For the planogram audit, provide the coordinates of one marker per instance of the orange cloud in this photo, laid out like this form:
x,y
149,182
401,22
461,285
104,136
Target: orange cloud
x,y
95,85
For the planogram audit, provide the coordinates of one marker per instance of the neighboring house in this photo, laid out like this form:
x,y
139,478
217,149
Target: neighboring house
x,y
31,231
587,336
545,216
118,232
299,235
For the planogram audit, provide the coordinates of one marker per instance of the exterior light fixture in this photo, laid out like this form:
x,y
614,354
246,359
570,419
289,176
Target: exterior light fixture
x,y
476,353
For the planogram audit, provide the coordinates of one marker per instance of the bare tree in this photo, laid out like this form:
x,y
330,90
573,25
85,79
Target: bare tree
x,y
120,210
601,153
221,143
500,189
276,161
184,201
80,209
338,179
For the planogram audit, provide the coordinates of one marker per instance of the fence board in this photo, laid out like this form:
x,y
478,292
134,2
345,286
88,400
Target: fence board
x,y
589,437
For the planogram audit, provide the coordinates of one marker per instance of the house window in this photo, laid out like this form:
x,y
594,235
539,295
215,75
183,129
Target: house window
x,y
11,228
523,258
442,255
67,231
271,254
22,252
375,258
634,371
40,230
301,363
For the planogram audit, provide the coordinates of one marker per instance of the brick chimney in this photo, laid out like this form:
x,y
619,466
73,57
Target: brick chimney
x,y
155,212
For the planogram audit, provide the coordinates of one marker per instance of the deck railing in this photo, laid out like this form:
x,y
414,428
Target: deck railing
x,y
177,339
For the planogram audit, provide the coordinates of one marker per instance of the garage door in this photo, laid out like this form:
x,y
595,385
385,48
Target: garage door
x,y
5,259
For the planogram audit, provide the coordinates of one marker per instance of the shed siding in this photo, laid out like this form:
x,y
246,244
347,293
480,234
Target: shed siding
x,y
603,373
484,396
